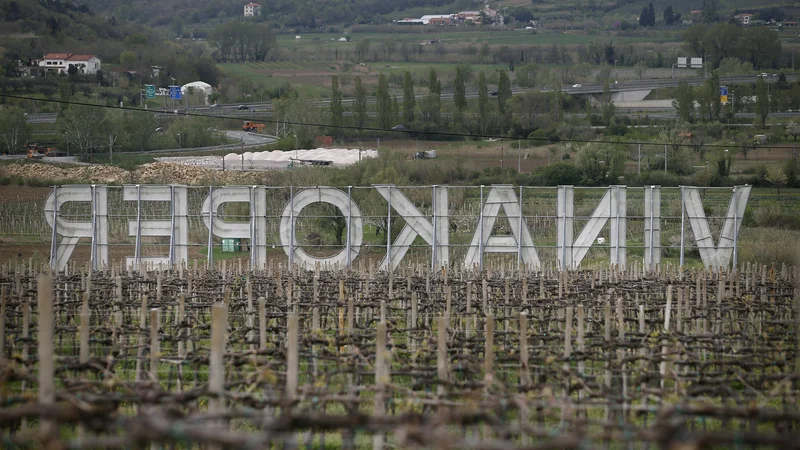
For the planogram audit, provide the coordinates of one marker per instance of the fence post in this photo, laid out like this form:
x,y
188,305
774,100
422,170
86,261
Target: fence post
x,y
210,254
433,245
3,295
155,347
525,375
480,230
172,226
735,228
488,353
683,226
54,237
292,358
389,238
84,330
441,355
216,366
349,222
380,380
45,338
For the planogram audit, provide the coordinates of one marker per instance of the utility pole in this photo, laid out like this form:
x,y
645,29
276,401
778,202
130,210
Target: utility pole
x,y
665,157
519,156
639,160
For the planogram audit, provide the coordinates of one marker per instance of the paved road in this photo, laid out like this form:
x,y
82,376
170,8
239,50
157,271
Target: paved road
x,y
246,140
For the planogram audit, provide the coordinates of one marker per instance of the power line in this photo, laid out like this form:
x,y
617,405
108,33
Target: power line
x,y
405,131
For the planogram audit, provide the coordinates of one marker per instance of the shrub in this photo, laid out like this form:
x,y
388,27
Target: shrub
x,y
768,245
560,174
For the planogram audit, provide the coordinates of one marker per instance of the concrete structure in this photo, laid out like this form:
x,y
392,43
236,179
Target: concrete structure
x,y
252,10
61,62
431,223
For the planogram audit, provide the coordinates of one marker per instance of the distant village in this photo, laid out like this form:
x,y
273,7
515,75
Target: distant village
x,y
486,16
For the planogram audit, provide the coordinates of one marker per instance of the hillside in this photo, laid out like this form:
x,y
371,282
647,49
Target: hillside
x,y
290,13
32,27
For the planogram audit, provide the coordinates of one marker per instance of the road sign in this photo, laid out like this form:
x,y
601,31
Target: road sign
x,y
723,90
723,99
175,92
150,90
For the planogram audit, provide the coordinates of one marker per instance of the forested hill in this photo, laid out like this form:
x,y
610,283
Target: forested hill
x,y
58,18
290,13
30,28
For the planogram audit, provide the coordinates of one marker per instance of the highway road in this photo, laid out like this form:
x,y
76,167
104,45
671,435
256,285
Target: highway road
x,y
264,109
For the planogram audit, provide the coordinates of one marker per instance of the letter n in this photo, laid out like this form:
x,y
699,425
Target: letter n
x,y
612,208
720,255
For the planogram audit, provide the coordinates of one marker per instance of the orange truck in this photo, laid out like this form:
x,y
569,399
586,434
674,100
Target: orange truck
x,y
253,127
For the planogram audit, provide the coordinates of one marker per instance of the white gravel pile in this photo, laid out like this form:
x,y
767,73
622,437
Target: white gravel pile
x,y
273,159
202,161
339,156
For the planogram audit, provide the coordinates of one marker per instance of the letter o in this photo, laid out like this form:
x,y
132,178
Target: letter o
x,y
334,197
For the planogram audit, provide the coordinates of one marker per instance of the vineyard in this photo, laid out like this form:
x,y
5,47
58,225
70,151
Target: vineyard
x,y
227,357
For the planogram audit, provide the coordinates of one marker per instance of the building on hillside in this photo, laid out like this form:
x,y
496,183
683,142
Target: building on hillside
x,y
469,16
252,9
437,19
744,18
790,23
61,62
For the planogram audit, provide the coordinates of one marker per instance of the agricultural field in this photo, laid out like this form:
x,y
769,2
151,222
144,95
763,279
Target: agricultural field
x,y
226,357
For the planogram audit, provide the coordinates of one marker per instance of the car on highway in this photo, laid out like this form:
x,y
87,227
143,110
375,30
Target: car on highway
x,y
243,108
215,105
762,75
493,93
399,128
576,85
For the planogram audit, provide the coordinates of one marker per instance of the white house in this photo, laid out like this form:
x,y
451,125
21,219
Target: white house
x,y
743,18
252,9
61,62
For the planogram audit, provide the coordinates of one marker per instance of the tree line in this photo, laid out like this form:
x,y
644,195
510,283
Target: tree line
x,y
242,41
758,45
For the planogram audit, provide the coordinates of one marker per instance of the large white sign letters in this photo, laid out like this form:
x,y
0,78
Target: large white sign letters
x,y
432,228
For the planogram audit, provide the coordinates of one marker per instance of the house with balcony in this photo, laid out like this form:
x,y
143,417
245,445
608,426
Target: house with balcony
x,y
60,63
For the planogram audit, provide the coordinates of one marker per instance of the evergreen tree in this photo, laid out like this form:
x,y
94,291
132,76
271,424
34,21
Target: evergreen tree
x,y
684,102
433,102
409,101
709,13
384,103
651,15
483,102
459,92
643,18
503,91
336,102
762,101
361,103
669,15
